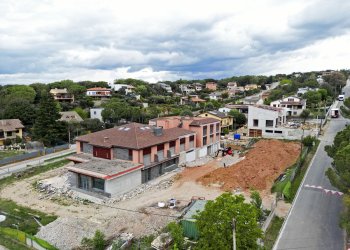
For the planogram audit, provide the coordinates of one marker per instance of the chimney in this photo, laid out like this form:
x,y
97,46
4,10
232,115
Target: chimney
x,y
105,139
158,131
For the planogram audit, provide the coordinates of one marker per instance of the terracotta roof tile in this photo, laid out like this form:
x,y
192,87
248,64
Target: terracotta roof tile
x,y
134,136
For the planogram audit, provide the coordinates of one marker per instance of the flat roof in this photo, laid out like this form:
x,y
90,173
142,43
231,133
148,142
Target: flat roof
x,y
101,168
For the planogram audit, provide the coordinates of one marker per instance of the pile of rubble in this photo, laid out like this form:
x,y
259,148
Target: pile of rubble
x,y
67,232
164,184
58,185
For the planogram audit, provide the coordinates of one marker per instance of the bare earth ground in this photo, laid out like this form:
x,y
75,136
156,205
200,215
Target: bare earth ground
x,y
262,165
77,220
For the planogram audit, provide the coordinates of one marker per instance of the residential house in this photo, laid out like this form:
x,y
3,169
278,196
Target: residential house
x,y
70,116
302,91
215,96
197,86
251,100
224,110
10,129
242,108
186,89
250,87
265,120
62,95
96,113
293,105
231,86
211,86
207,132
226,121
113,161
166,87
191,100
98,92
128,88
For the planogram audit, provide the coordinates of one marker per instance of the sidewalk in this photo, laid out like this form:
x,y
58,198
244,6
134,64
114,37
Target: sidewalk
x,y
16,167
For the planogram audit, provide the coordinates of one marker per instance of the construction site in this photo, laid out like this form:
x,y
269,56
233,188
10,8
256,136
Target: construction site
x,y
144,211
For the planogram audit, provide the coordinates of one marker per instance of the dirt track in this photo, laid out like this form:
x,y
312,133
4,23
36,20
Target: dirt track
x,y
262,165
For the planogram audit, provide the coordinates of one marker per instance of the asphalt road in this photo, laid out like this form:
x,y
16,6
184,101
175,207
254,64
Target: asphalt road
x,y
19,166
313,222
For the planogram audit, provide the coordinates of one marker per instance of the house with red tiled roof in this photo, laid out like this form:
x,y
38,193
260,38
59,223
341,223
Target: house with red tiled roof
x,y
99,93
207,131
116,160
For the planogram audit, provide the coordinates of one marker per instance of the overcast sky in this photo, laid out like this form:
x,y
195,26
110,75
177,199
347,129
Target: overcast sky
x,y
48,40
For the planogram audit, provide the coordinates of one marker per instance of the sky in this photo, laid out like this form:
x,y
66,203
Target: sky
x,y
157,40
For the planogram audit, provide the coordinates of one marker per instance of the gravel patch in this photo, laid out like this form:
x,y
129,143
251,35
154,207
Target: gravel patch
x,y
66,233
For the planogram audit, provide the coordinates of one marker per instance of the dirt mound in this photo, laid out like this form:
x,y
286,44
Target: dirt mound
x,y
262,165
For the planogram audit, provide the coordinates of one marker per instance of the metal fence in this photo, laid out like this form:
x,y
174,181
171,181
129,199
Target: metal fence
x,y
33,154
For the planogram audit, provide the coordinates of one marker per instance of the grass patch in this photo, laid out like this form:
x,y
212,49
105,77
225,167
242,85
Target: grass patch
x,y
59,157
31,172
272,232
301,173
12,244
9,153
280,185
23,217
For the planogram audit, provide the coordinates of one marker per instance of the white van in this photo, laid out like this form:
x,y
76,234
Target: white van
x,y
341,97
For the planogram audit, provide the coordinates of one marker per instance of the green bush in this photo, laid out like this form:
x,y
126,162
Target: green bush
x,y
309,141
98,242
177,234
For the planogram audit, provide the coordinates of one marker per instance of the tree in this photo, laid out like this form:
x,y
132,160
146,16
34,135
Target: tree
x,y
98,242
238,117
345,109
20,109
224,95
177,234
305,114
186,112
308,141
215,224
23,92
92,125
336,79
312,98
81,112
257,202
47,128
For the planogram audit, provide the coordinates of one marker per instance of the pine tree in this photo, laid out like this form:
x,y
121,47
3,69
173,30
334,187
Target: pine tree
x,y
47,128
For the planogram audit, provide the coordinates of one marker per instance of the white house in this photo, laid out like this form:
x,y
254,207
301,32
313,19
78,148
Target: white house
x,y
265,120
224,110
96,113
293,105
166,87
214,96
302,91
128,88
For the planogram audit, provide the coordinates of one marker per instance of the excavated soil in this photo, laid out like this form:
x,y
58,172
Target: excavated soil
x,y
262,165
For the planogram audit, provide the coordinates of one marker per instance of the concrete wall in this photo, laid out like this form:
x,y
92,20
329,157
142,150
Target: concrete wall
x,y
123,183
261,115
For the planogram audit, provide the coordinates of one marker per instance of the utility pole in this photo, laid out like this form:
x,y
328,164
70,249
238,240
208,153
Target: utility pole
x,y
234,233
